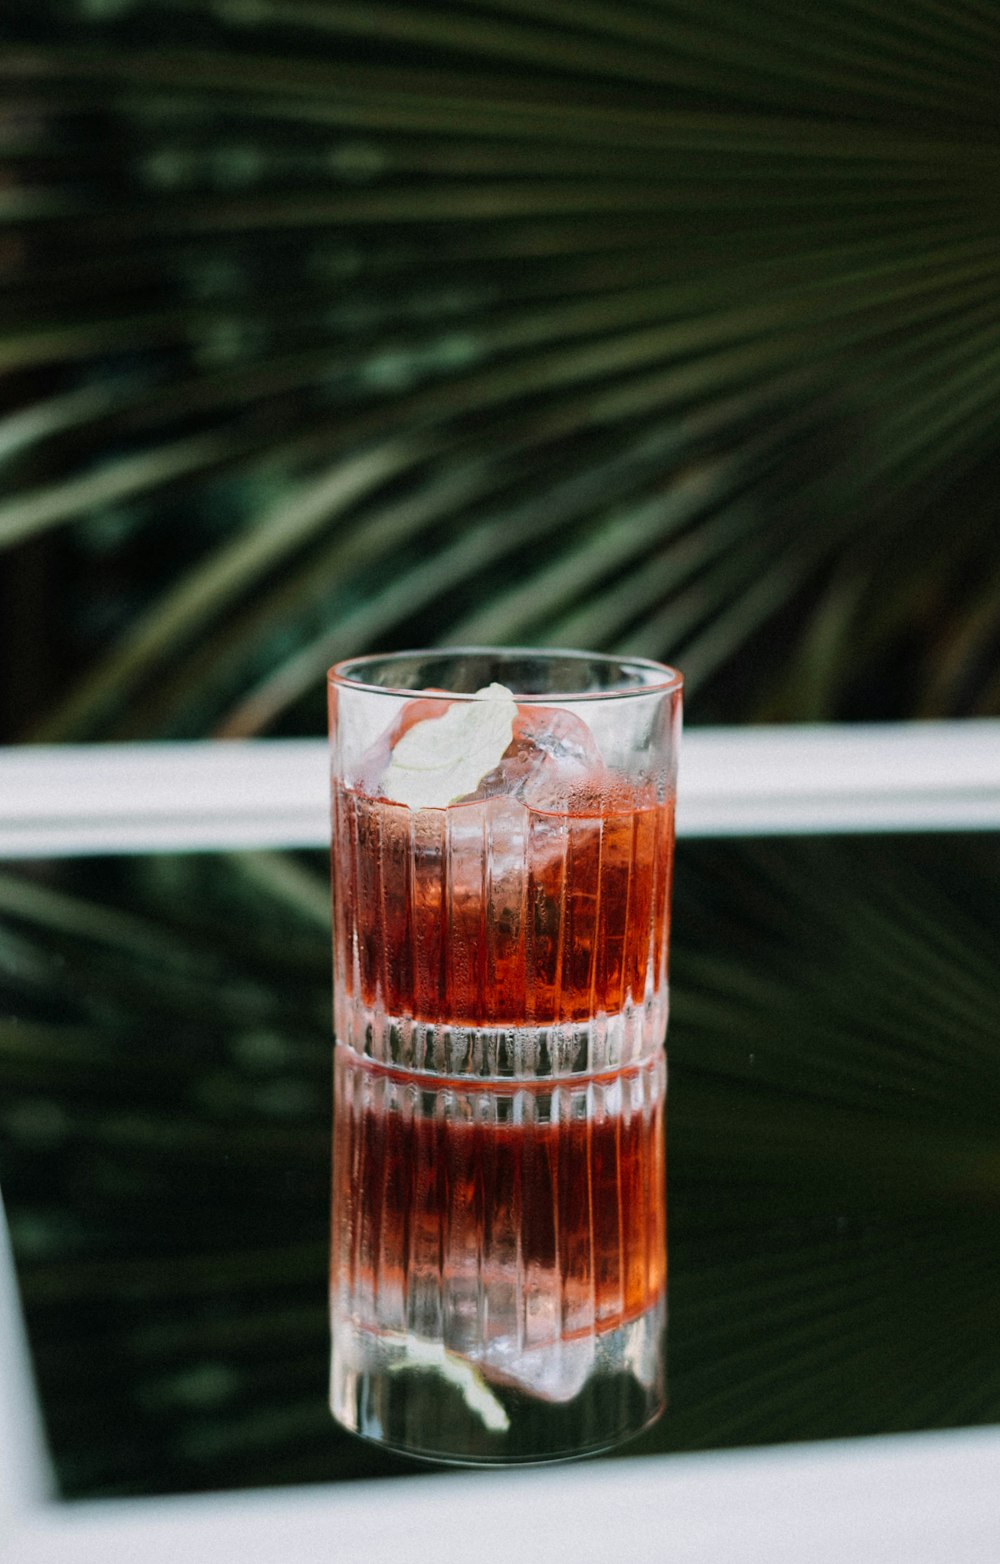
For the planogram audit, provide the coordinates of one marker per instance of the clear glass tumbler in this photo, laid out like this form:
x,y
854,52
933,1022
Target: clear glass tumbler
x,y
503,833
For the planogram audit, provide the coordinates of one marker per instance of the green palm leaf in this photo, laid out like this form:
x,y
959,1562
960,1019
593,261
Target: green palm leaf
x,y
310,303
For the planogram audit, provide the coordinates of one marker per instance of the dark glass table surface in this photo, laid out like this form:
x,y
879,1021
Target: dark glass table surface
x,y
833,1153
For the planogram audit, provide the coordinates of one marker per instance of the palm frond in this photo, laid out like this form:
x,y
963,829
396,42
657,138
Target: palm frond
x,y
463,242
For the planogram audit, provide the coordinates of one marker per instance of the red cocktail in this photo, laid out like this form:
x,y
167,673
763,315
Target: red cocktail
x,y
502,867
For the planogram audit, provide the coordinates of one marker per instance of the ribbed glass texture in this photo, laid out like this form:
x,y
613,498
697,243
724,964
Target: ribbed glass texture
x,y
499,939
499,1219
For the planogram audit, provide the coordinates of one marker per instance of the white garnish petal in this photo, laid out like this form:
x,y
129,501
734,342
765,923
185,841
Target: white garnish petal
x,y
458,1371
443,758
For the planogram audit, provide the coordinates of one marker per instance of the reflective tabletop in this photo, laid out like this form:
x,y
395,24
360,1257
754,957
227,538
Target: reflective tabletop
x,y
833,1153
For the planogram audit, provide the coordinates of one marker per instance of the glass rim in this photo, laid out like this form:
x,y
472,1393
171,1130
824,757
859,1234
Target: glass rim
x,y
668,681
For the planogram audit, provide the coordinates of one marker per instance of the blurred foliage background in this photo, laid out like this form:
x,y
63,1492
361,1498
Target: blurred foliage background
x,y
667,326
662,326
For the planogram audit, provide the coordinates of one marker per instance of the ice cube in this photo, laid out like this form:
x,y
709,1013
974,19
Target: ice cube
x,y
555,1373
552,762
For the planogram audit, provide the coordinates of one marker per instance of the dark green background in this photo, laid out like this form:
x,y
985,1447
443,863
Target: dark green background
x,y
667,327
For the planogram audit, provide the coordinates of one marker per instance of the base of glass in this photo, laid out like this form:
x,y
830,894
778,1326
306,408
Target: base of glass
x,y
556,1402
522,1051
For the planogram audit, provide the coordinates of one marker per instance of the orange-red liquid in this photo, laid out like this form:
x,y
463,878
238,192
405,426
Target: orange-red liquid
x,y
491,913
451,1216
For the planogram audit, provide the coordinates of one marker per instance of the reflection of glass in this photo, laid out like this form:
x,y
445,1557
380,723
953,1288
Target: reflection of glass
x,y
500,944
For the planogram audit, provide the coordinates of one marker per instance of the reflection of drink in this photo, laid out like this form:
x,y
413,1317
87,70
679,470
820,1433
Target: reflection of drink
x,y
499,1218
499,1252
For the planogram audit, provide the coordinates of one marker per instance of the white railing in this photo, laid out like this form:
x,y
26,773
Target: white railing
x,y
273,793
921,1499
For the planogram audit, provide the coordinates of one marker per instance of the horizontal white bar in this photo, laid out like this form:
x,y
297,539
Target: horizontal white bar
x,y
273,793
122,798
924,1499
871,777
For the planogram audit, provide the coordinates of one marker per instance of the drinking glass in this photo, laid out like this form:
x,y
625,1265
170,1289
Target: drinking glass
x,y
503,831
